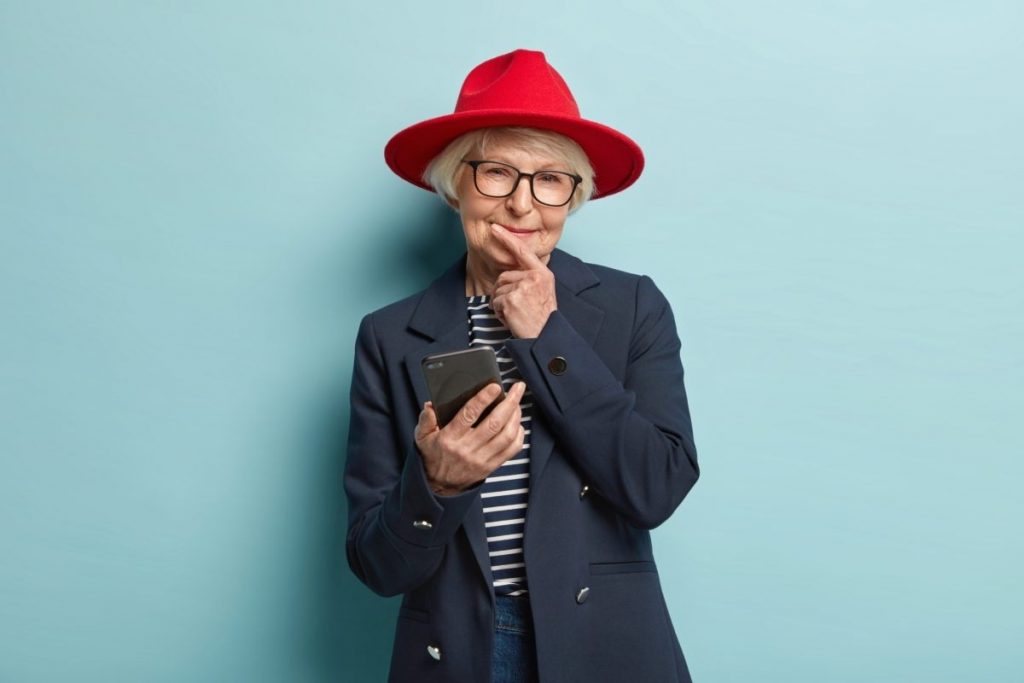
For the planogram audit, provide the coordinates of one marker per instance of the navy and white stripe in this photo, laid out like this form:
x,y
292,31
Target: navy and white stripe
x,y
505,492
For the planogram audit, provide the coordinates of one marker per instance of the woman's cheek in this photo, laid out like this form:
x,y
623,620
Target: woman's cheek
x,y
547,243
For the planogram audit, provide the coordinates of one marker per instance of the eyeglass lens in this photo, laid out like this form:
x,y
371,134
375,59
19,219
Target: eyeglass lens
x,y
549,187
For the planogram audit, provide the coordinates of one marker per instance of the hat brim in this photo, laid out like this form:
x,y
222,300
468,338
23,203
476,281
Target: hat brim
x,y
617,160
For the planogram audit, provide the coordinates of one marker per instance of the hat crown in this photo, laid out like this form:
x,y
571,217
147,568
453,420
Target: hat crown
x,y
521,79
519,88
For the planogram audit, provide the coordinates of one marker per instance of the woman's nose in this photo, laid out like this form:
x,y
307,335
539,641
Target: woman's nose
x,y
521,200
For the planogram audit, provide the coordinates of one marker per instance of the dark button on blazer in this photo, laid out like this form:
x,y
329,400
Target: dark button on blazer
x,y
610,415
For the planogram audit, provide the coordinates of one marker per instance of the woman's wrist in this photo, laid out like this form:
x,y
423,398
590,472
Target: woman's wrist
x,y
443,489
444,492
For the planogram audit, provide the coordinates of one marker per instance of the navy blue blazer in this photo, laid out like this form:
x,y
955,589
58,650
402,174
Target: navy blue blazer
x,y
611,457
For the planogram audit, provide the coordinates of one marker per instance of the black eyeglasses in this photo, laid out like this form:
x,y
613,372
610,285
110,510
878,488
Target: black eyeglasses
x,y
551,188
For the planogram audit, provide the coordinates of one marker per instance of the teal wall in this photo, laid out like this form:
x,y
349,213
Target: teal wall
x,y
195,213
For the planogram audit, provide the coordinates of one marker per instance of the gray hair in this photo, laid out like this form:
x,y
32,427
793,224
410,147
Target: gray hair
x,y
443,171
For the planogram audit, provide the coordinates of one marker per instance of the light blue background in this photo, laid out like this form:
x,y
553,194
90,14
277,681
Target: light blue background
x,y
195,214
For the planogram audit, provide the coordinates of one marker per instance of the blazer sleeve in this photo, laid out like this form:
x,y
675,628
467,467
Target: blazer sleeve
x,y
397,527
632,440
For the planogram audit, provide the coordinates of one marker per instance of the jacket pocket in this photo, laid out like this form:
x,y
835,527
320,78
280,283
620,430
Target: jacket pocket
x,y
627,636
599,568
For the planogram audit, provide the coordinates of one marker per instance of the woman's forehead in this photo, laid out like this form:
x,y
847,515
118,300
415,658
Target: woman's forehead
x,y
518,155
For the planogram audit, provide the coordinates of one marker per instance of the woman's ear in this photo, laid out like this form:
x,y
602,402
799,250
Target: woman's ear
x,y
452,202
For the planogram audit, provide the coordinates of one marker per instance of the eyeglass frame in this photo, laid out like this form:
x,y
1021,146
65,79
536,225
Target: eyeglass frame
x,y
474,163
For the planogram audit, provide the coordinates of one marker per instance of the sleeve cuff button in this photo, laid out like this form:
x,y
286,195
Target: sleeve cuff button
x,y
557,365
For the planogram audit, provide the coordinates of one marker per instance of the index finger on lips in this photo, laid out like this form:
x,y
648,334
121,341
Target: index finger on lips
x,y
524,256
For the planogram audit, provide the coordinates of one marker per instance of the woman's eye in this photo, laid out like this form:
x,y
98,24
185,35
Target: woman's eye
x,y
551,178
497,172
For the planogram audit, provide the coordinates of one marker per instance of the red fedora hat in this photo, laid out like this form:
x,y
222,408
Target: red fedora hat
x,y
518,89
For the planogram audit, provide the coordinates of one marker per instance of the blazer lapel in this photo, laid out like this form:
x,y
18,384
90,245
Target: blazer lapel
x,y
441,317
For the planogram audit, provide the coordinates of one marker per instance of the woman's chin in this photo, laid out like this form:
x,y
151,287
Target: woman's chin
x,y
501,259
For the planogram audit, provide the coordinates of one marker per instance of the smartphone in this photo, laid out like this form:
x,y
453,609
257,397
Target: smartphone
x,y
455,377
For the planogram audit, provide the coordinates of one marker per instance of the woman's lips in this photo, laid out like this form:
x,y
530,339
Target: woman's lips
x,y
518,232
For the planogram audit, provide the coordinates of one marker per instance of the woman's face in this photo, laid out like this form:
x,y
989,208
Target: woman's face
x,y
536,225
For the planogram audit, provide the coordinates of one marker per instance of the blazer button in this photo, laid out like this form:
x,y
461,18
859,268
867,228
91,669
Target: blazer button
x,y
557,365
423,524
435,652
584,491
582,595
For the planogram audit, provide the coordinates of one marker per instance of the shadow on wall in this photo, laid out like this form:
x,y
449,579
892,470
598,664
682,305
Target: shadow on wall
x,y
351,627
429,237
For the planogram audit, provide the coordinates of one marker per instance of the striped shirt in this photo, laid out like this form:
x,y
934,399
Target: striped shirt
x,y
505,492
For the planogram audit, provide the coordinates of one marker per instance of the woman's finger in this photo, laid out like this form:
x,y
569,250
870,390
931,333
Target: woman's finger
x,y
505,412
473,409
499,310
427,421
507,449
516,446
502,290
510,276
526,258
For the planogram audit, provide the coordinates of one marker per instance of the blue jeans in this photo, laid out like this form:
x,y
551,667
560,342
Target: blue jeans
x,y
515,655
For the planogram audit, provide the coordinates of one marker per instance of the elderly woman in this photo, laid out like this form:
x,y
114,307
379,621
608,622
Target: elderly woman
x,y
520,543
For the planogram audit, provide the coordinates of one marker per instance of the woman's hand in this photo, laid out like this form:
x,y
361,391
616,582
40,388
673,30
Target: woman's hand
x,y
460,455
523,299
